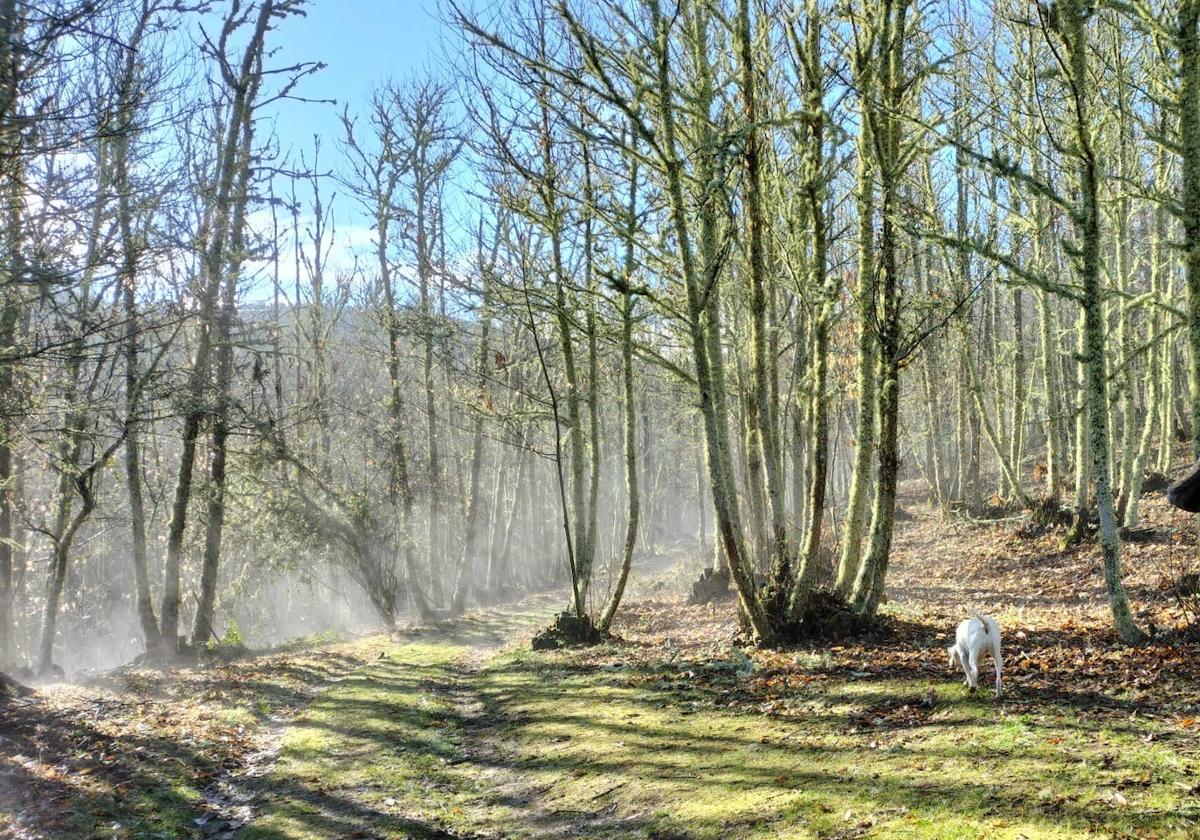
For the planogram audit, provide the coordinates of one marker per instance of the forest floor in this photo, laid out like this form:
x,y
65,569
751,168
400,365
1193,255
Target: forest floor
x,y
674,731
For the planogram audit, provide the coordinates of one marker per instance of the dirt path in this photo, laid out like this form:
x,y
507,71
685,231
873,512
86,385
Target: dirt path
x,y
678,733
485,743
442,763
361,759
182,752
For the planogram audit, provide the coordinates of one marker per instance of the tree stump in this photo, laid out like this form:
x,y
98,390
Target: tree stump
x,y
568,630
712,585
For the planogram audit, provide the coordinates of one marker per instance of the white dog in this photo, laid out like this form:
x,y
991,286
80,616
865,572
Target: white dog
x,y
975,637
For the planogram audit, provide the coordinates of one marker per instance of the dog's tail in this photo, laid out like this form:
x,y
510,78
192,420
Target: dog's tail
x,y
983,621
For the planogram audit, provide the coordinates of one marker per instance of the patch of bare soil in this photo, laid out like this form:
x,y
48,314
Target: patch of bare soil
x,y
951,566
1053,607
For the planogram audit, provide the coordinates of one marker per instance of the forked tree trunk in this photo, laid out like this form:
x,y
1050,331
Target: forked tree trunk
x,y
887,126
765,428
703,320
202,627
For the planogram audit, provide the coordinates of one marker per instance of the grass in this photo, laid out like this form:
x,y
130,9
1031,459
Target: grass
x,y
431,743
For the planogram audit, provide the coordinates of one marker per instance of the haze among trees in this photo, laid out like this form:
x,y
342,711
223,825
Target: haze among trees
x,y
704,297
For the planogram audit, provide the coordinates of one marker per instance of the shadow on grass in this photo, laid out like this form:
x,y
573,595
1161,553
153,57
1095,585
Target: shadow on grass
x,y
549,746
435,747
77,766
72,766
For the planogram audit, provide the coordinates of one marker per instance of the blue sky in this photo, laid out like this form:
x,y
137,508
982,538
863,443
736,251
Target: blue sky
x,y
362,42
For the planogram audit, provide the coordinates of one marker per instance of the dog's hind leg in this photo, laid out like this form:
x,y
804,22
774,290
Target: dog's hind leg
x,y
972,668
999,660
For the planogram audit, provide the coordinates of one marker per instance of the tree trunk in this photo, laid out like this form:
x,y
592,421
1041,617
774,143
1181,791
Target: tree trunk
x,y
701,284
630,412
130,253
593,396
467,564
818,282
1011,480
65,530
765,427
1158,346
214,264
433,531
1017,439
887,126
1072,28
865,295
227,272
1189,139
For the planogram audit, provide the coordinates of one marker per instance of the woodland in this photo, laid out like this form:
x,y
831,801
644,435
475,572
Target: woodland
x,y
601,431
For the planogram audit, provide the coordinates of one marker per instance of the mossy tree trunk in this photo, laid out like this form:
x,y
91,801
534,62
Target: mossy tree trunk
x,y
701,280
1188,42
765,430
864,444
1069,23
588,557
